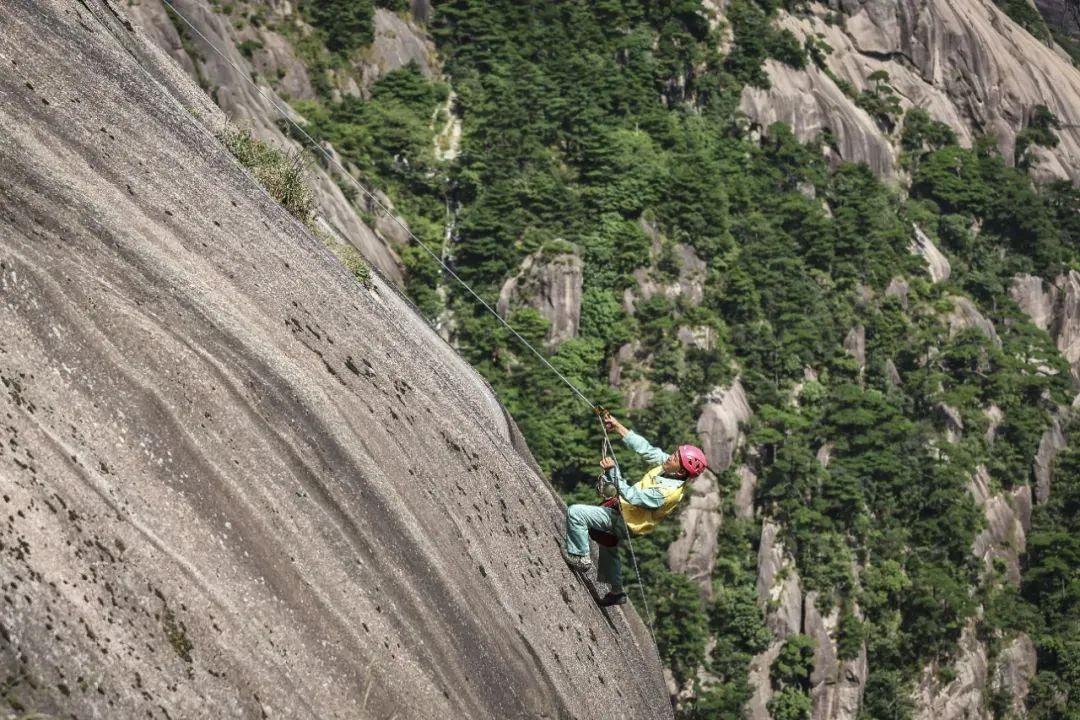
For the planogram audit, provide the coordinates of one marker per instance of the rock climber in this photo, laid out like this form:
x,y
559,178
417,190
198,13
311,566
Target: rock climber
x,y
639,508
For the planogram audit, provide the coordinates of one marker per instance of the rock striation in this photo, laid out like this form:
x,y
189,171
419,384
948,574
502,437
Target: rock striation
x,y
694,552
966,63
551,284
236,482
259,109
725,410
1054,307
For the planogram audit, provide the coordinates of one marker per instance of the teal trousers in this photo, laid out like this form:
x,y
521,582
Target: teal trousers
x,y
579,518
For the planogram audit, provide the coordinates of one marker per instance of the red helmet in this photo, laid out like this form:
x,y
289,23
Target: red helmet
x,y
692,460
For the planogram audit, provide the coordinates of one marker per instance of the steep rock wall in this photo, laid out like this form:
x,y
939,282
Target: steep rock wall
x,y
235,482
260,109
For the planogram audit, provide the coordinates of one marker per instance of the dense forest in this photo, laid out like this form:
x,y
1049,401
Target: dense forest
x,y
608,129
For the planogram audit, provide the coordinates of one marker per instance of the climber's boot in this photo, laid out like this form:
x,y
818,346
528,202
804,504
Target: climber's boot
x,y
579,563
613,598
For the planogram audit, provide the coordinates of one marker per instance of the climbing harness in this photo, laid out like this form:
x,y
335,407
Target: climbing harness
x,y
312,144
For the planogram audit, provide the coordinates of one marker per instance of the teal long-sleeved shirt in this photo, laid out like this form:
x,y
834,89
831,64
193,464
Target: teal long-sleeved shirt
x,y
652,497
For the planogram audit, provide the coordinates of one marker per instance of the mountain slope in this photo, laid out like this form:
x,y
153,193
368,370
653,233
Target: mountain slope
x,y
235,481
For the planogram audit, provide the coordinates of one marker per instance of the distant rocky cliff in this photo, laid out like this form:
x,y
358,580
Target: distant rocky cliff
x,y
234,481
966,63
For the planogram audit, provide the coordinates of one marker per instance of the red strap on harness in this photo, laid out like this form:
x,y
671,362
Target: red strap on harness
x,y
601,537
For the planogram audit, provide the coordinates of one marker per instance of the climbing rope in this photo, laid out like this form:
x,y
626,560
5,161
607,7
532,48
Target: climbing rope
x,y
312,144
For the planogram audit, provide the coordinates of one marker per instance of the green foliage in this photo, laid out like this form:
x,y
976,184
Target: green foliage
x,y
346,24
282,174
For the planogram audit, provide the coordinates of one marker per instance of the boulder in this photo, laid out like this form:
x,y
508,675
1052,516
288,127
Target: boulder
x,y
778,585
1055,308
1035,300
836,686
693,552
1066,327
892,375
725,409
1004,537
954,423
937,265
855,344
549,282
689,284
1051,443
994,416
744,496
965,315
898,288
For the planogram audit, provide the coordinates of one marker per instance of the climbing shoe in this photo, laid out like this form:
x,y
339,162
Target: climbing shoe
x,y
579,563
613,599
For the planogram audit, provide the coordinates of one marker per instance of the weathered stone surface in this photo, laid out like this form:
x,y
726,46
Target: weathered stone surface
x,y
1004,537
966,63
1066,328
824,454
244,484
718,426
994,416
836,686
744,496
937,265
693,553
1054,307
954,423
1035,300
965,315
810,103
398,42
689,284
258,109
899,288
961,699
1014,670
855,344
780,594
700,337
761,684
550,283
1050,445
892,374
778,585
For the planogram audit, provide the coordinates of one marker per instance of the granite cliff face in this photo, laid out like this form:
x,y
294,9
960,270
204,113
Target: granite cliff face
x,y
236,482
966,63
281,75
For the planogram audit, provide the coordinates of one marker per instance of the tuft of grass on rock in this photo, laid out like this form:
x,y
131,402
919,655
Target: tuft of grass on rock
x,y
352,260
283,174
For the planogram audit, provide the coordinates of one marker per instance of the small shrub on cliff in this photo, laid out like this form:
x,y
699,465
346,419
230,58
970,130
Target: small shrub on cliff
x,y
282,174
